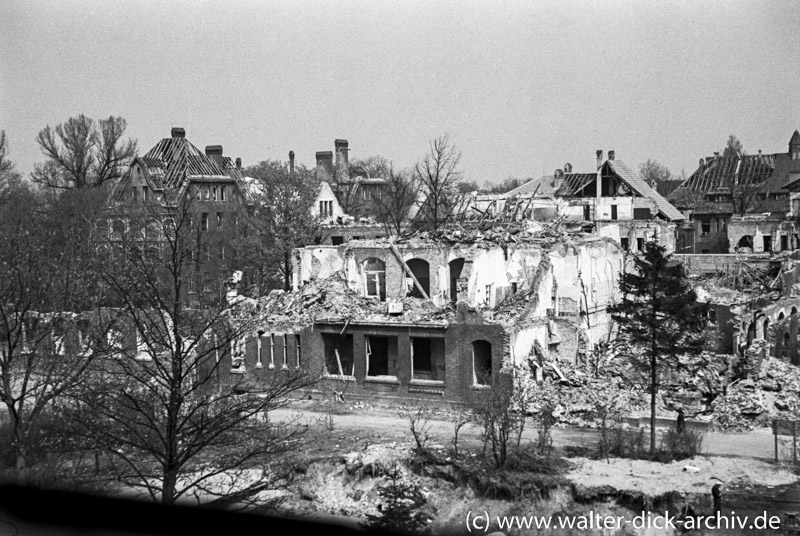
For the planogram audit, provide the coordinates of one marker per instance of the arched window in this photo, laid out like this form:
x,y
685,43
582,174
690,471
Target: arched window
x,y
785,346
481,363
374,271
746,242
456,266
421,271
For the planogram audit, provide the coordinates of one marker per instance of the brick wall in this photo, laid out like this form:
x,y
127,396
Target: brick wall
x,y
456,387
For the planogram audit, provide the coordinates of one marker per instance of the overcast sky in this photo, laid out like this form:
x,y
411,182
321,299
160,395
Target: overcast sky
x,y
519,86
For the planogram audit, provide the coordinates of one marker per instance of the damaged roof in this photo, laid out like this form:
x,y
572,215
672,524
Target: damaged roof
x,y
179,159
718,173
574,183
635,181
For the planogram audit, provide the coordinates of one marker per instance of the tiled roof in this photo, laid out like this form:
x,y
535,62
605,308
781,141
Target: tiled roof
x,y
637,184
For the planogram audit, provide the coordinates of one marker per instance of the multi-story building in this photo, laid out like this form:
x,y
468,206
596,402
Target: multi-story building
x,y
741,203
204,191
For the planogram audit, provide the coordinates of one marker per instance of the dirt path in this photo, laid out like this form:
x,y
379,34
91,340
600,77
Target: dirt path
x,y
386,425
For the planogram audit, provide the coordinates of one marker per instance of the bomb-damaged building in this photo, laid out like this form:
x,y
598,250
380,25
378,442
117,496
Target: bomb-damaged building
x,y
434,317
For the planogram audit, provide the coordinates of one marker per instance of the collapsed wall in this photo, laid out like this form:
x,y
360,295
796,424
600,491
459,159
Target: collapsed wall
x,y
436,318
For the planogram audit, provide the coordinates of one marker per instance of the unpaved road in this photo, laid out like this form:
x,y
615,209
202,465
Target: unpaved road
x,y
385,424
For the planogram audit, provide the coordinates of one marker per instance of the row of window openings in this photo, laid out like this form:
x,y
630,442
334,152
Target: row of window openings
x,y
204,221
625,243
141,194
705,226
283,344
427,358
212,193
325,209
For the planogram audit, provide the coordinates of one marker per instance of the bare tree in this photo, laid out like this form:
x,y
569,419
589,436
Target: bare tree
x,y
282,220
654,172
467,187
175,412
10,178
438,177
395,201
45,347
371,167
83,154
506,186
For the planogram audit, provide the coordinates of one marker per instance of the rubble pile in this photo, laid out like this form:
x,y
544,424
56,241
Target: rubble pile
x,y
577,394
502,233
751,403
330,300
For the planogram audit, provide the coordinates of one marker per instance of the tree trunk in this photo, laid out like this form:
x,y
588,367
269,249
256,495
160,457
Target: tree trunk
x,y
653,380
18,450
287,264
168,485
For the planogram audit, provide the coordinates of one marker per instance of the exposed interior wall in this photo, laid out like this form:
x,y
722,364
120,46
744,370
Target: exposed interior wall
x,y
779,233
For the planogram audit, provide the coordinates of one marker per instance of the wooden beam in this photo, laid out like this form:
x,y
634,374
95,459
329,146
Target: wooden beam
x,y
408,270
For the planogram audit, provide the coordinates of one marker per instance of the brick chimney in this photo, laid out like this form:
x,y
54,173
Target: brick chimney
x,y
611,154
238,163
599,181
177,132
567,168
215,152
291,161
341,151
324,164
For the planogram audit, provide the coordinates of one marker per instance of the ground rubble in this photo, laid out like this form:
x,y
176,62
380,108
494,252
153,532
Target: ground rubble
x,y
705,395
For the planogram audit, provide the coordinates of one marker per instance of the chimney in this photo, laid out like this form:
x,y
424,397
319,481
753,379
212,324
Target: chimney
x,y
325,161
341,150
238,163
599,182
702,162
611,154
291,161
215,152
716,154
759,153
567,168
177,132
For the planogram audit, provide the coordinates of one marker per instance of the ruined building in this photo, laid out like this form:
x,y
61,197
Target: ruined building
x,y
346,202
742,203
434,318
205,190
613,201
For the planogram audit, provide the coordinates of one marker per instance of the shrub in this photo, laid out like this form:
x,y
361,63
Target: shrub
x,y
419,423
677,446
631,443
